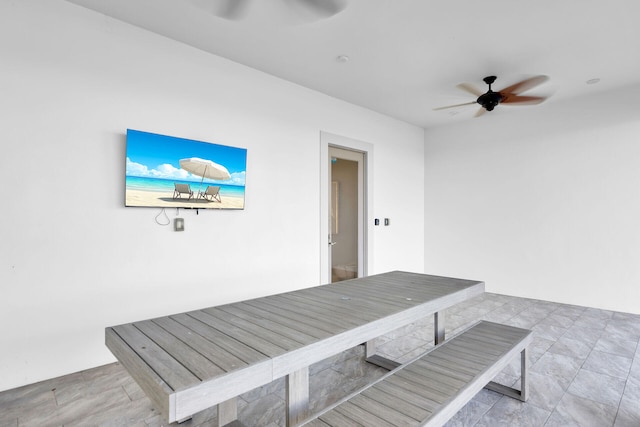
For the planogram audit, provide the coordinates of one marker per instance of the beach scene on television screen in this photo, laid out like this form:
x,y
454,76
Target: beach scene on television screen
x,y
165,171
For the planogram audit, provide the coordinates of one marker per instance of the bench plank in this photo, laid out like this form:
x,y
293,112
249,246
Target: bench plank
x,y
391,414
419,401
403,403
354,412
430,389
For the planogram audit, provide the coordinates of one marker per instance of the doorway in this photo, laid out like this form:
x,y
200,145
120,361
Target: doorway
x,y
346,213
363,153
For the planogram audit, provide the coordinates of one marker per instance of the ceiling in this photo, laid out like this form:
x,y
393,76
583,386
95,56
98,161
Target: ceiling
x,y
407,56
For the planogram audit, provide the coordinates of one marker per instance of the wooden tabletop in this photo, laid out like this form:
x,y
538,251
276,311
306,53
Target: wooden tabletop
x,y
191,361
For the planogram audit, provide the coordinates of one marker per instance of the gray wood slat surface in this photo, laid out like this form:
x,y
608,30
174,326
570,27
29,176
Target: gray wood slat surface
x,y
277,317
190,361
415,395
214,353
398,403
288,331
340,297
252,340
326,330
164,365
335,294
153,385
231,349
317,423
323,316
338,307
194,362
259,329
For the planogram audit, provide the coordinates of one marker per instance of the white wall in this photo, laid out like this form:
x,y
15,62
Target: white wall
x,y
75,260
541,201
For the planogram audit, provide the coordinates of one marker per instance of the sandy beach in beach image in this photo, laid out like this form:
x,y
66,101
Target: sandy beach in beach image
x,y
165,199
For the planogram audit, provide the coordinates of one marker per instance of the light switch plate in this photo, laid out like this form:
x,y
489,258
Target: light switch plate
x,y
178,224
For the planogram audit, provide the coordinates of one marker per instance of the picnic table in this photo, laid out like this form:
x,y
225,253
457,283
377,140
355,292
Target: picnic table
x,y
192,361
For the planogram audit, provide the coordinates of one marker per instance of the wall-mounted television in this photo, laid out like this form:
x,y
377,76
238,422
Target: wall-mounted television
x,y
168,172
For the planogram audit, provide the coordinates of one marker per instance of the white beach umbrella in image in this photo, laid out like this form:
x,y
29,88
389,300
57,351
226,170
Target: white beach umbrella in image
x,y
205,169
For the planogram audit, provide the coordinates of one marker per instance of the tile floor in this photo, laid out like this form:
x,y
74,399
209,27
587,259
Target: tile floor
x,y
584,371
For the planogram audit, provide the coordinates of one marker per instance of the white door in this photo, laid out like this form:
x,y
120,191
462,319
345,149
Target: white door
x,y
346,214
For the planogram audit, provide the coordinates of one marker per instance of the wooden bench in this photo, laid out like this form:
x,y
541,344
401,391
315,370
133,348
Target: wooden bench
x,y
429,390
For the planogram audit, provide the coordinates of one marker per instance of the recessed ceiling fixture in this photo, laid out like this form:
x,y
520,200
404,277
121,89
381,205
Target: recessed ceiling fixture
x,y
342,59
593,81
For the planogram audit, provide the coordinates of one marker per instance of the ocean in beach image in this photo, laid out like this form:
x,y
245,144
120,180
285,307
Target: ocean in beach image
x,y
163,186
165,171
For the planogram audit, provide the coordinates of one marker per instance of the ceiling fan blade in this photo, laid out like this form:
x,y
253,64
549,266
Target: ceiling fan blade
x,y
320,8
231,9
480,112
468,87
522,100
525,85
454,106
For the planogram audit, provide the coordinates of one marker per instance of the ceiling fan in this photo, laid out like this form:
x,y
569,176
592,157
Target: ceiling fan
x,y
509,95
237,9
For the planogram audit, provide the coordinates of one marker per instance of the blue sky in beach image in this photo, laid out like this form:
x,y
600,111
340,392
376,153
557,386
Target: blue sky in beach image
x,y
153,163
158,156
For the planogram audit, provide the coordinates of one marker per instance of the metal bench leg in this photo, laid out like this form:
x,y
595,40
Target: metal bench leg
x,y
524,370
375,359
524,384
438,326
297,394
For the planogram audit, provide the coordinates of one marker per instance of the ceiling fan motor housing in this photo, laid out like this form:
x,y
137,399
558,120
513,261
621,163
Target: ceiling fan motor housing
x,y
489,100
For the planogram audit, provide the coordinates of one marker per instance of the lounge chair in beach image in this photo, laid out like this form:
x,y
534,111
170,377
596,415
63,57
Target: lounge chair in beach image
x,y
212,193
182,189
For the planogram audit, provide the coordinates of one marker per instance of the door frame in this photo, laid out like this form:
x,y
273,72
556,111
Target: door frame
x,y
365,245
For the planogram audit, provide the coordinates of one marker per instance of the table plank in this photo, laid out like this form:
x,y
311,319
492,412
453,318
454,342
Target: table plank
x,y
165,366
194,362
339,307
274,337
153,385
230,346
250,314
335,325
249,339
294,317
310,330
225,360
